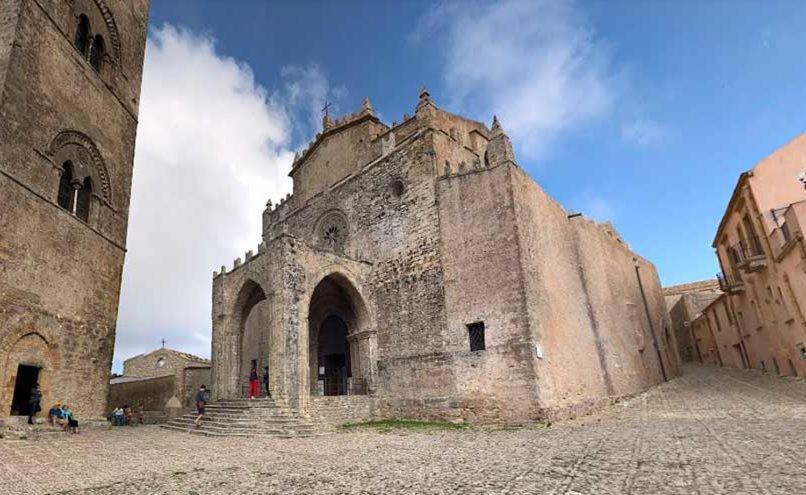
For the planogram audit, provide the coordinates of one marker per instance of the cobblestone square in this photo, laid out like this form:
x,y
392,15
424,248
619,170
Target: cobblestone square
x,y
712,431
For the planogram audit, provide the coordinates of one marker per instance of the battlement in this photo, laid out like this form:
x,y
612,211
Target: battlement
x,y
238,262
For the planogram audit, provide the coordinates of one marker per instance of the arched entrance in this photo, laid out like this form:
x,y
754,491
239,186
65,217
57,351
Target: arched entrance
x,y
341,341
254,331
28,362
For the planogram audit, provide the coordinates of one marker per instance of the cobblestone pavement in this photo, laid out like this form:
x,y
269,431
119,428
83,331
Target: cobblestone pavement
x,y
713,431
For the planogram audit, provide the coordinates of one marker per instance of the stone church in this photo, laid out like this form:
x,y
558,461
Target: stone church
x,y
70,76
419,267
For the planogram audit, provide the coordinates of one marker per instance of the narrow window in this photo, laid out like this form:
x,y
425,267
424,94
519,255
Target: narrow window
x,y
97,52
777,369
66,195
81,41
727,312
475,332
83,200
716,321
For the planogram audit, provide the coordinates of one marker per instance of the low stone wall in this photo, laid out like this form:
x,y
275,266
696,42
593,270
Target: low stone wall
x,y
332,411
150,394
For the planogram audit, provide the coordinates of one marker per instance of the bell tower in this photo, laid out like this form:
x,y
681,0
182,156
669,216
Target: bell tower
x,y
70,74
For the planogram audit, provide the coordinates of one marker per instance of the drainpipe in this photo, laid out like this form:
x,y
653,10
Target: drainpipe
x,y
651,326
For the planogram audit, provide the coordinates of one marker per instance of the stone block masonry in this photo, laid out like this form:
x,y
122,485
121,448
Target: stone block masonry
x,y
419,266
70,77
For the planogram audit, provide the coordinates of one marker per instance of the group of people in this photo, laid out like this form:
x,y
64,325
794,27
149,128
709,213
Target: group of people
x,y
59,415
254,388
203,395
124,416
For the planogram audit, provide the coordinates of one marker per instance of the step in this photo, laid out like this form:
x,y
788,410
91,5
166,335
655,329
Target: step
x,y
210,433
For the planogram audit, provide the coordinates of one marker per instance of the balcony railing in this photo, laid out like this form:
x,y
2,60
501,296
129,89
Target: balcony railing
x,y
748,255
748,249
730,284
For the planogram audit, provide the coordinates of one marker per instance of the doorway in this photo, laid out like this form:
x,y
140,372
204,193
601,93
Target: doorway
x,y
334,356
27,377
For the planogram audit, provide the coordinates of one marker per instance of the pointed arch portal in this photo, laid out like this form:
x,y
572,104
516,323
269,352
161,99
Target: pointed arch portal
x,y
339,354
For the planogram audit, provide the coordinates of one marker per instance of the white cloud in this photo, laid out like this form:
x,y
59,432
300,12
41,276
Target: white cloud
x,y
643,133
593,206
535,63
212,147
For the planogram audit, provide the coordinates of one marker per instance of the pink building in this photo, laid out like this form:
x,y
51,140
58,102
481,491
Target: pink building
x,y
759,322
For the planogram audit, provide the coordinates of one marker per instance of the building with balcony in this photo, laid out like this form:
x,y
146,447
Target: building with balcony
x,y
759,322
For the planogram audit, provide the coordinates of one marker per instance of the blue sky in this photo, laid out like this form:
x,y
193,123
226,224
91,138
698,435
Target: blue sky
x,y
642,113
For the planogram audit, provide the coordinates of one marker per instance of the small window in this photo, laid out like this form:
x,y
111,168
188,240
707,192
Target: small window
x,y
97,52
397,188
160,362
715,316
66,194
81,41
727,312
475,332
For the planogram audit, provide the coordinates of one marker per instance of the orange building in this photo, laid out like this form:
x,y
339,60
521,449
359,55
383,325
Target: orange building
x,y
759,322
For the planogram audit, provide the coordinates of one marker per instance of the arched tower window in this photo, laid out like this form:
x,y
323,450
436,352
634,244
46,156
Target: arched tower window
x,y
66,195
97,52
83,200
82,39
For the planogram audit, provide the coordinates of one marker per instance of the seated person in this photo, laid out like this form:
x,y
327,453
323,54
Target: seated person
x,y
71,422
118,416
127,411
54,414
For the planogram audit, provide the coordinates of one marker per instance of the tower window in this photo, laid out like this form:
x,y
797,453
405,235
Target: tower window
x,y
97,52
475,332
82,39
66,194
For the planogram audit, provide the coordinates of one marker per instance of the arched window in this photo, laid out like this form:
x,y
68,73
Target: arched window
x,y
82,40
66,194
97,52
83,200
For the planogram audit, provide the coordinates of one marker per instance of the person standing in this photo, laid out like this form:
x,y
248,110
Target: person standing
x,y
266,380
201,402
34,403
253,383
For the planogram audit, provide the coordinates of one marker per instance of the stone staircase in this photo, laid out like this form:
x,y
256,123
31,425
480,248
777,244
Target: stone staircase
x,y
245,418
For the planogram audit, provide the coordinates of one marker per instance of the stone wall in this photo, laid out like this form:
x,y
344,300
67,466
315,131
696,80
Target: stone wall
x,y
59,292
160,362
149,394
428,228
332,412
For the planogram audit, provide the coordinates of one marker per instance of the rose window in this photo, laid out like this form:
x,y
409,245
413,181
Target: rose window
x,y
333,231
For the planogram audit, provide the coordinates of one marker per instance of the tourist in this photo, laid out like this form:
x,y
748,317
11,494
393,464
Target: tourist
x,y
141,416
266,380
127,412
119,416
253,383
34,402
71,424
55,414
201,402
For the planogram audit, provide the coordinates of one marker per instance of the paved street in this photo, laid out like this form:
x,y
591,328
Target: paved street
x,y
712,431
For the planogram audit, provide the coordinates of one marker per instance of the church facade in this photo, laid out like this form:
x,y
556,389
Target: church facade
x,y
69,90
419,266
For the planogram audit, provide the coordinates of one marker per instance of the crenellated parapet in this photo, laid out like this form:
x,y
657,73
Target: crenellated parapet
x,y
238,262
